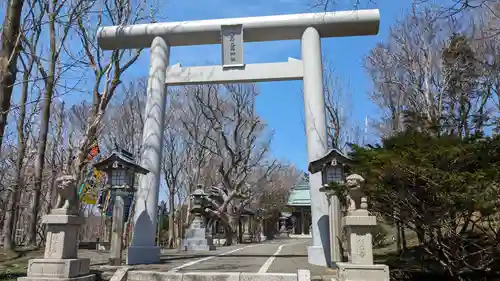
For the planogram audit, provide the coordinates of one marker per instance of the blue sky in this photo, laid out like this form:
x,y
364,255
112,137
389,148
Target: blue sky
x,y
280,103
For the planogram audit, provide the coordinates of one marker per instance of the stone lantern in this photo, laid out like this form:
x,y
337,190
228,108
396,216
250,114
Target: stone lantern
x,y
196,236
283,231
120,168
333,167
260,216
247,217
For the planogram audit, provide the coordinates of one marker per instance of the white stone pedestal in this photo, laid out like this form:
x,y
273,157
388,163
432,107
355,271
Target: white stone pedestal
x,y
196,237
115,253
359,238
359,245
60,261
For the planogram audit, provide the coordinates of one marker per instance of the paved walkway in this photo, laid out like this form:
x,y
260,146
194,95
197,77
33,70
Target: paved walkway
x,y
276,256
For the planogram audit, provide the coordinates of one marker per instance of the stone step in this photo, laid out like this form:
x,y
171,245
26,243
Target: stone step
x,y
103,275
302,275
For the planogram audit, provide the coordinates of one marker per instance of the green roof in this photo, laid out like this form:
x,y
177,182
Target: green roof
x,y
300,194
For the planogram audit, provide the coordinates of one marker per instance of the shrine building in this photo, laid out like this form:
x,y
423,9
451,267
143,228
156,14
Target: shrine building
x,y
298,208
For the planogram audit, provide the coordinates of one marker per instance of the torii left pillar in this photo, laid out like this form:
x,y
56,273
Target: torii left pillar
x,y
143,249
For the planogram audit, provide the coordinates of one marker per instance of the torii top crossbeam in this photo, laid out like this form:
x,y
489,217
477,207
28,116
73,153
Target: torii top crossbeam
x,y
257,29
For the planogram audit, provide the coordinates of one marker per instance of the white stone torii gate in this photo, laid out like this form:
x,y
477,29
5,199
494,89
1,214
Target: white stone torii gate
x,y
310,28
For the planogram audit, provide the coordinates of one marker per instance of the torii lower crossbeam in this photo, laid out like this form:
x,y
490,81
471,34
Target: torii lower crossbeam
x,y
250,73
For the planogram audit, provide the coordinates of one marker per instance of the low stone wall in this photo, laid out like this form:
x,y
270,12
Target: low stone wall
x,y
301,275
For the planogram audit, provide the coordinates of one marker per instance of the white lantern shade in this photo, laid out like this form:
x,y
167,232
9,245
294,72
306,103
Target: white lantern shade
x,y
334,174
119,177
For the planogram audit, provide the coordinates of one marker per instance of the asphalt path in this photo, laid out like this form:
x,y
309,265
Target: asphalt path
x,y
253,258
275,256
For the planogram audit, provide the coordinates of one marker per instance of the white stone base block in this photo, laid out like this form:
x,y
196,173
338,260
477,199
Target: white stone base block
x,y
143,255
59,268
137,275
88,277
362,272
316,256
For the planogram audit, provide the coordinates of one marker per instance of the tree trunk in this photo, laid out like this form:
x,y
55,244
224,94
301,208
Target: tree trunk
x,y
403,238
8,224
8,58
180,227
13,197
398,237
42,137
39,163
229,233
53,160
171,217
53,165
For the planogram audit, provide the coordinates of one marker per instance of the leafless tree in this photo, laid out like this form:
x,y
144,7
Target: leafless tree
x,y
173,162
238,141
442,10
58,28
196,134
12,195
341,127
124,122
406,71
107,67
275,193
9,53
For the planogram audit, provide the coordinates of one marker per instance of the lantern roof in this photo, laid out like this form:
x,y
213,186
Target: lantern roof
x,y
198,191
333,155
124,159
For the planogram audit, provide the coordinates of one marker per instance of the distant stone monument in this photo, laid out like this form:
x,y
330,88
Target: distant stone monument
x,y
247,219
283,232
358,224
261,234
60,261
196,237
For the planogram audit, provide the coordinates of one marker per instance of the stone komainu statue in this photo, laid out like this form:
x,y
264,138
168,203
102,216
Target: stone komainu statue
x,y
67,195
355,197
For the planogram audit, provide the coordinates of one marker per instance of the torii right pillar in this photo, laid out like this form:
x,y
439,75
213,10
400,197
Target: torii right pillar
x,y
314,107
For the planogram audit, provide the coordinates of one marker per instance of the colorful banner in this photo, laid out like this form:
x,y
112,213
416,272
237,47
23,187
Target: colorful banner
x,y
89,190
94,180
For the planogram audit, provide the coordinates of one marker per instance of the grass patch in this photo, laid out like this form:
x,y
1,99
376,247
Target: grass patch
x,y
12,272
21,255
14,264
8,256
